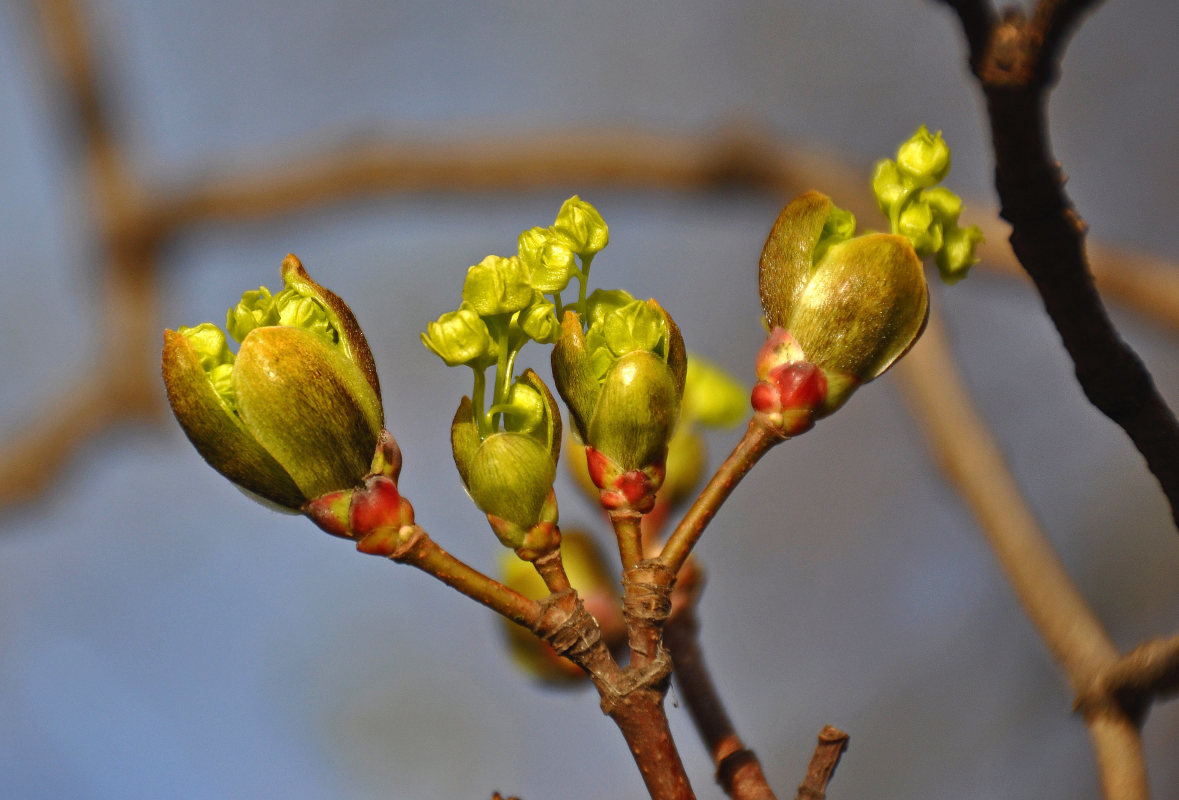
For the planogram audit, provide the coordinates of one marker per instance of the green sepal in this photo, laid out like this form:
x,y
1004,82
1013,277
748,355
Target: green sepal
x,y
539,320
548,255
216,432
958,253
574,374
924,158
309,405
339,315
460,337
464,438
582,225
497,285
787,260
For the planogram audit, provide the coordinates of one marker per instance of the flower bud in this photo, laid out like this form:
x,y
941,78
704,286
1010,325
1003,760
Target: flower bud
x,y
297,414
548,256
623,378
583,227
539,320
921,226
460,337
958,254
924,158
497,285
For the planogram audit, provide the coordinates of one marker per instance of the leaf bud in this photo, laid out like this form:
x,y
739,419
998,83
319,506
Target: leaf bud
x,y
851,314
297,413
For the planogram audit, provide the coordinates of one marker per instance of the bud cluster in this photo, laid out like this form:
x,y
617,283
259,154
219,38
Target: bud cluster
x,y
917,208
506,454
296,413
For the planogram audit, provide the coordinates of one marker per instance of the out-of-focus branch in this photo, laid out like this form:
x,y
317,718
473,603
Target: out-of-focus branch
x,y
132,220
832,743
1015,71
1074,636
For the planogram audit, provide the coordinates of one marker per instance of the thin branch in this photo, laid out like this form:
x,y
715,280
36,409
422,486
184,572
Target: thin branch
x,y
1149,671
756,442
832,743
1048,237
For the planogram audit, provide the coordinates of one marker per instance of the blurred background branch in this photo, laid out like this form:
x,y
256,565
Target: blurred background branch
x,y
136,223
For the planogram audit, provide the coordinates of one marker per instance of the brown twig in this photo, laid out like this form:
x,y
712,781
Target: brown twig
x,y
758,439
1074,636
832,743
1016,70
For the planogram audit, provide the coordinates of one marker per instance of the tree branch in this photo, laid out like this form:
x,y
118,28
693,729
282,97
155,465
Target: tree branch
x,y
832,743
1048,236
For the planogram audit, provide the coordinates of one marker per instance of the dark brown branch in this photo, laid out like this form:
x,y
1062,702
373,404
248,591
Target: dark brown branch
x,y
1048,236
1054,21
832,743
977,18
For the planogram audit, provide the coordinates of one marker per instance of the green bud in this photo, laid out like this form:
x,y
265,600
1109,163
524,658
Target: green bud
x,y
945,204
510,476
297,413
497,285
958,254
539,321
924,158
636,412
889,187
548,255
256,310
854,312
920,225
631,348
460,337
309,406
839,227
582,225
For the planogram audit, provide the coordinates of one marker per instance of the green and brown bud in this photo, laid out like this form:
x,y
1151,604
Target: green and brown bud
x,y
849,313
297,412
510,474
623,378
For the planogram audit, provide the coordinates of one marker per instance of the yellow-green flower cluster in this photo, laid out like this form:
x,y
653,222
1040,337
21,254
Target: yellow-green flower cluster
x,y
506,455
923,212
